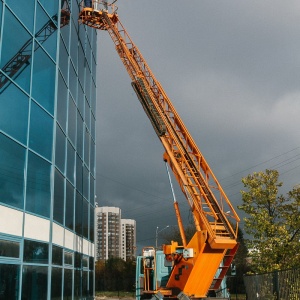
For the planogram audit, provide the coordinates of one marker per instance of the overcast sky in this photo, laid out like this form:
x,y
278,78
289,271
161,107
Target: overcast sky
x,y
231,69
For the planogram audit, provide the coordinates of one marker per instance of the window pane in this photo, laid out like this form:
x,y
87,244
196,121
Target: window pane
x,y
58,206
73,81
72,121
9,284
12,161
78,214
68,258
35,252
71,163
38,193
79,174
43,80
62,97
12,44
26,15
87,141
92,190
92,223
9,249
63,59
34,282
69,221
41,131
77,284
74,42
14,103
57,255
68,286
85,218
60,149
50,6
79,135
56,283
86,185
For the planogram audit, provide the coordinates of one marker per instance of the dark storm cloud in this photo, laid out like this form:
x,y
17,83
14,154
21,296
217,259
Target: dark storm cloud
x,y
231,69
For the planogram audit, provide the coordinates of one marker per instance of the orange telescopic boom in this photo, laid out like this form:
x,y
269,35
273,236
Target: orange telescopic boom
x,y
194,264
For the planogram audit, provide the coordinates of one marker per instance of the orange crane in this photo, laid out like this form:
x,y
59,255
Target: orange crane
x,y
212,248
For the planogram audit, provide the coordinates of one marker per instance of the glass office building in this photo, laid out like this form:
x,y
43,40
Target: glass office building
x,y
47,151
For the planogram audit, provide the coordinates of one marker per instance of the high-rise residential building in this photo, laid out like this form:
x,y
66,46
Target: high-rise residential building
x,y
128,239
108,225
47,151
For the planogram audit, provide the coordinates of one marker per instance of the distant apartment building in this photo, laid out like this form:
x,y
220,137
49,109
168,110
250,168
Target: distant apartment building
x,y
115,237
108,225
128,239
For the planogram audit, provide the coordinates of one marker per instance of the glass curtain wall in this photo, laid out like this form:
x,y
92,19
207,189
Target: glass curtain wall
x,y
47,151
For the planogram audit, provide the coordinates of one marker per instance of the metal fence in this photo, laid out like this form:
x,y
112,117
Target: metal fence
x,y
278,285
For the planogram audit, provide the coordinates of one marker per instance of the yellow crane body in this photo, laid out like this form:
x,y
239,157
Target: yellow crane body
x,y
215,242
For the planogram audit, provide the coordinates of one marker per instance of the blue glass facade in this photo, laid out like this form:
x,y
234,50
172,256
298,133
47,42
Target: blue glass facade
x,y
47,151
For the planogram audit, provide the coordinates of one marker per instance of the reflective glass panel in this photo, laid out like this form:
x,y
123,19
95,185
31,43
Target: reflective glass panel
x,y
78,214
60,149
9,283
73,81
70,163
62,100
41,131
92,223
84,283
79,135
91,283
56,283
85,219
92,190
58,205
87,115
38,192
68,284
80,100
68,258
50,6
57,255
12,43
92,165
86,185
9,249
16,46
72,121
69,217
77,284
34,282
63,60
12,161
45,34
74,43
79,174
43,80
36,252
65,33
15,103
25,15
81,64
87,140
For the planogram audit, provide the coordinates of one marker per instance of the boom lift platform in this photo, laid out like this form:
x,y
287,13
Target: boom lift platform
x,y
212,248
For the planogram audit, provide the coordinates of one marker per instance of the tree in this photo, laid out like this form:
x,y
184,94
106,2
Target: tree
x,y
273,222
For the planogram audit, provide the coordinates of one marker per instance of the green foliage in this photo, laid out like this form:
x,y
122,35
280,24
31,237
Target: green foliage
x,y
273,222
115,274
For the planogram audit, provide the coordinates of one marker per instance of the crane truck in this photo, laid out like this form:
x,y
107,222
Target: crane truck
x,y
191,269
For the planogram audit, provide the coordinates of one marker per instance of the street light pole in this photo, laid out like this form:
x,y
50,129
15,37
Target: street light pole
x,y
157,232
